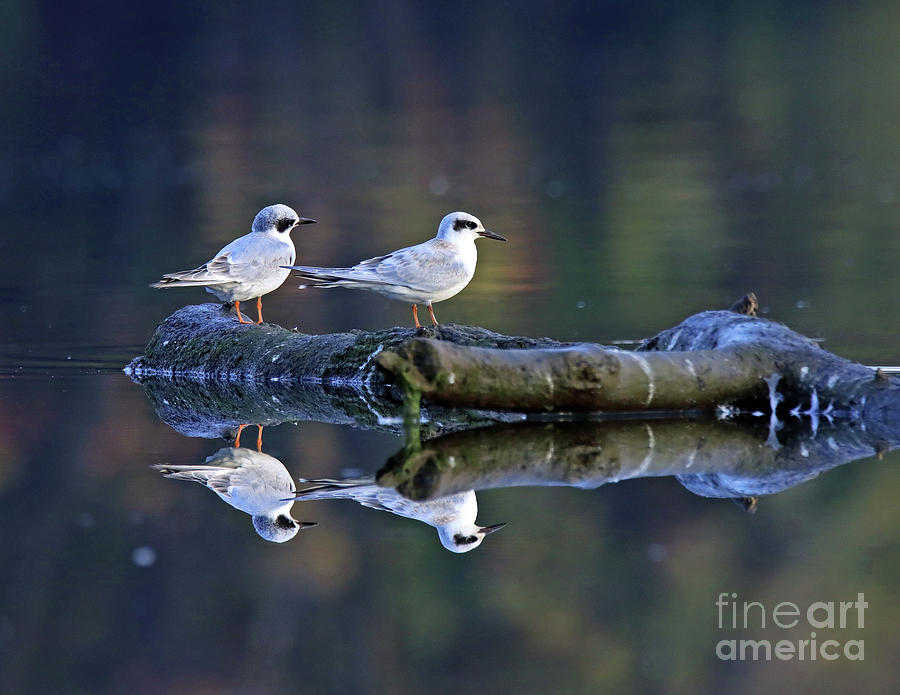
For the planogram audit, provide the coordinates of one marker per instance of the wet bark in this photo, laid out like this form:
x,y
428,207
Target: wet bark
x,y
579,378
205,341
712,359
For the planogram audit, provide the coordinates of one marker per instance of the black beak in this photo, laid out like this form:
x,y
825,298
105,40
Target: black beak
x,y
488,234
486,530
306,220
306,524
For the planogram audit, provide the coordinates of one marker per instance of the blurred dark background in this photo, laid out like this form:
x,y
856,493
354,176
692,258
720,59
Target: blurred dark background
x,y
646,160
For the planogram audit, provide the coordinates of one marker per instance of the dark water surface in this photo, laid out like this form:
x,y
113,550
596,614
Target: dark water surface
x,y
645,161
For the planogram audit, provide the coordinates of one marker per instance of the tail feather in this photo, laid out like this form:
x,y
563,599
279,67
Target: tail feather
x,y
347,482
321,275
335,277
330,484
197,276
169,468
195,472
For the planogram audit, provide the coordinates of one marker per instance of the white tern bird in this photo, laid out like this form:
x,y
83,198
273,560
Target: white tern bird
x,y
251,265
453,516
429,272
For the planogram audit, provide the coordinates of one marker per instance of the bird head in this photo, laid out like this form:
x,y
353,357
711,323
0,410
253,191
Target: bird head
x,y
462,540
461,226
278,218
279,528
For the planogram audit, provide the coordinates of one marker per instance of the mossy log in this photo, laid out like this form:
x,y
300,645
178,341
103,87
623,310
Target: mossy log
x,y
205,342
206,374
711,359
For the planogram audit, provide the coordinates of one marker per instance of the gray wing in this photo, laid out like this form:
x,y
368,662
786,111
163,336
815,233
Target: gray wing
x,y
364,492
242,259
431,266
428,267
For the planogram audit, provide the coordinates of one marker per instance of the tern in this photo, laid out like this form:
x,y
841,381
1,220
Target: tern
x,y
423,274
453,516
251,265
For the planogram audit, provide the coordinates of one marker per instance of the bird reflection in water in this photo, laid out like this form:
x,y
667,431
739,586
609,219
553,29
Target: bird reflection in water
x,y
251,481
453,516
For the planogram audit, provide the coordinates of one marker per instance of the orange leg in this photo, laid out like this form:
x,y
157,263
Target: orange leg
x,y
237,439
431,311
237,308
259,310
259,438
416,316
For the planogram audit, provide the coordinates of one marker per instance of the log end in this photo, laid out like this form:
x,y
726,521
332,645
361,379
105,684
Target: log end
x,y
748,305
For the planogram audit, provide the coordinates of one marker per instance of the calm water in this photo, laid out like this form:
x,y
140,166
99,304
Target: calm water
x,y
645,162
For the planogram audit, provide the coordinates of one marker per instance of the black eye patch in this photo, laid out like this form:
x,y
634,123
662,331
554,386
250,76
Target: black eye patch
x,y
460,539
470,224
286,223
283,522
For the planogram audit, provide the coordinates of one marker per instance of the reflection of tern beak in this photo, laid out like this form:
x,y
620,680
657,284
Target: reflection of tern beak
x,y
490,529
305,524
488,234
306,220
